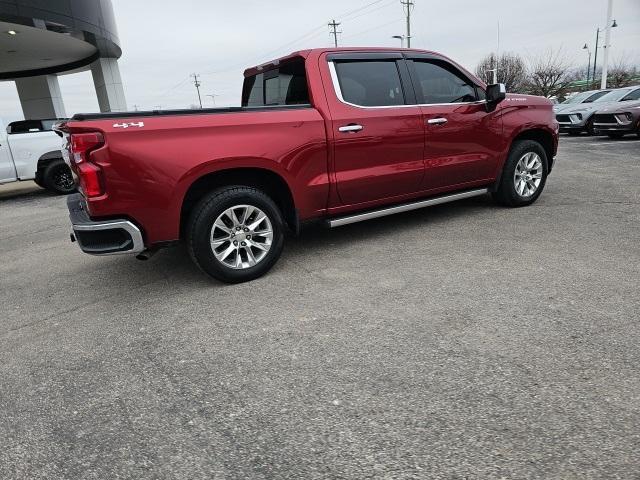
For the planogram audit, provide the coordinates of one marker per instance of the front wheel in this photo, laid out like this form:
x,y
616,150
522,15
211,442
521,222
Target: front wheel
x,y
57,177
524,174
235,234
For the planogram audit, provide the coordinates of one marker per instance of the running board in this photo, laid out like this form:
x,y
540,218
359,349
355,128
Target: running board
x,y
405,207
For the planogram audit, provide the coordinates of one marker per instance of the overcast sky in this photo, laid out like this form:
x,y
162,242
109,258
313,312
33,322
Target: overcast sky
x,y
162,44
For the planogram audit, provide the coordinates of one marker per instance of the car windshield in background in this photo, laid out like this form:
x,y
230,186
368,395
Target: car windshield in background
x,y
612,96
596,96
578,98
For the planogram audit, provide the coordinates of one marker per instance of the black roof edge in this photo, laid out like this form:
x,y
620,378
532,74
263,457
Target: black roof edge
x,y
186,111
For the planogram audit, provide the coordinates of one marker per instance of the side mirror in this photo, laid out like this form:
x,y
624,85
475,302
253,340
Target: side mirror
x,y
496,93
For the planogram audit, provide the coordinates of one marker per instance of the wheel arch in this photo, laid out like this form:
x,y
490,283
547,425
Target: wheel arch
x,y
543,137
44,160
270,182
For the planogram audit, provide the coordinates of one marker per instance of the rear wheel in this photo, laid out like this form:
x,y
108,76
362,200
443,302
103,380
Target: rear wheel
x,y
57,177
235,234
524,174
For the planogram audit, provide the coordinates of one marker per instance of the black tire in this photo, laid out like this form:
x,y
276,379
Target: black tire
x,y
57,178
573,133
506,193
615,135
591,130
207,211
38,181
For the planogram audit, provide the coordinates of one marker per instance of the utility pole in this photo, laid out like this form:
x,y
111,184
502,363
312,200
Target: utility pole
x,y
197,83
409,4
334,25
135,107
607,38
213,97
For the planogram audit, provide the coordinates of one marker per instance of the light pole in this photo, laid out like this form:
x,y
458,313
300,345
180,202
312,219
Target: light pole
x,y
586,47
401,38
595,53
607,44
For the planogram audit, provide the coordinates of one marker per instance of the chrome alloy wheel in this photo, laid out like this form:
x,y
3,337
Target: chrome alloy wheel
x,y
241,237
528,174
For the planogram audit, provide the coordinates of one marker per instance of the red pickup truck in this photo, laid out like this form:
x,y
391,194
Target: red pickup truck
x,y
336,135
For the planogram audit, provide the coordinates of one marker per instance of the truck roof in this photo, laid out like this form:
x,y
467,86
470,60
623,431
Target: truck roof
x,y
305,53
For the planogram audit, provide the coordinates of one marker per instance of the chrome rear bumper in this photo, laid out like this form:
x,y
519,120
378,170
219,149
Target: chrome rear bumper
x,y
110,237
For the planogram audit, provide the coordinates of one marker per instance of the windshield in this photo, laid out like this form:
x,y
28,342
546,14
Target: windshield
x,y
612,96
596,96
578,98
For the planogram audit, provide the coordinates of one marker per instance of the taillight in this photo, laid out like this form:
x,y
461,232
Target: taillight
x,y
89,174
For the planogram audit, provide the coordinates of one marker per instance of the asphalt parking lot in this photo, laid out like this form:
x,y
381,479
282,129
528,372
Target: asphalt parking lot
x,y
461,341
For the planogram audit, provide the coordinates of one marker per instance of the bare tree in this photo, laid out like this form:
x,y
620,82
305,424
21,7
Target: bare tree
x,y
621,74
549,74
511,70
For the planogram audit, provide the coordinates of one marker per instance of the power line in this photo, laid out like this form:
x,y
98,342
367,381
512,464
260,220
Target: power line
x,y
334,25
197,83
362,14
409,4
372,28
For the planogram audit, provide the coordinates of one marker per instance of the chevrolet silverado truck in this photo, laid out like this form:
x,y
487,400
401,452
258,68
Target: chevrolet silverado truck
x,y
331,135
30,150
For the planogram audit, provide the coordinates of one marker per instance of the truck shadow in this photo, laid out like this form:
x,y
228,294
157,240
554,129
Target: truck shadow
x,y
318,237
176,263
23,190
172,269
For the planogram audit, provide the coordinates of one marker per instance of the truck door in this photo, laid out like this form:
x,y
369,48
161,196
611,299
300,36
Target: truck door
x,y
377,129
7,170
463,142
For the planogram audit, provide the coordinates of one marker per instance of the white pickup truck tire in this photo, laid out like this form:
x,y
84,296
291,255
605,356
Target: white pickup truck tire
x,y
57,177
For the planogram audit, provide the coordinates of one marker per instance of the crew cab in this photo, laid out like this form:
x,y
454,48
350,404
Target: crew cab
x,y
30,150
335,136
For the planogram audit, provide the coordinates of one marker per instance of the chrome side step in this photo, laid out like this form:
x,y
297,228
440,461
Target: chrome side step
x,y
405,207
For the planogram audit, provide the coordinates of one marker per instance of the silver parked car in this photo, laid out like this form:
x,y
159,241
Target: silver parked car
x,y
582,97
579,118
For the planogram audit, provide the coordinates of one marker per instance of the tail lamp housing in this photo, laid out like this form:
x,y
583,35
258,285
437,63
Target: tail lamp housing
x,y
89,174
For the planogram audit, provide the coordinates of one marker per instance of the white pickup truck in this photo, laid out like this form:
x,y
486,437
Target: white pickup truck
x,y
30,150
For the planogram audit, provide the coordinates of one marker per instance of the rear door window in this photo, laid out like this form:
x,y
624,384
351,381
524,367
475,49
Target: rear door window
x,y
286,85
370,83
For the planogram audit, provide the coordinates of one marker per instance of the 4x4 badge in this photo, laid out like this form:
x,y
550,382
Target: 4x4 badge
x,y
127,125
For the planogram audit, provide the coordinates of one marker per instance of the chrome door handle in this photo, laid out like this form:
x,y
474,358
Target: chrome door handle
x,y
350,128
437,121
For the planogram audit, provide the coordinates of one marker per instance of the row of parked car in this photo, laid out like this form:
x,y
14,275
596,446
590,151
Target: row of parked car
x,y
613,112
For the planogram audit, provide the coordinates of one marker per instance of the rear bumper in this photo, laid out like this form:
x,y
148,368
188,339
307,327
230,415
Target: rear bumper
x,y
109,237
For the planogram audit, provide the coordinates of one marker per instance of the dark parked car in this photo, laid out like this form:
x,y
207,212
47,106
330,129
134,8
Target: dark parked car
x,y
618,120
